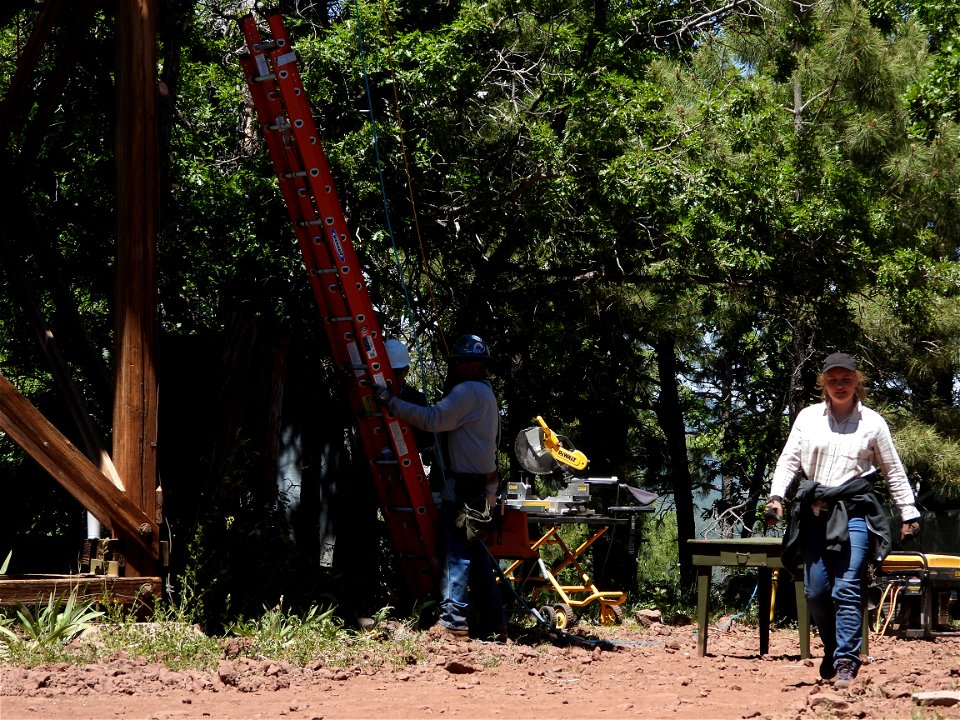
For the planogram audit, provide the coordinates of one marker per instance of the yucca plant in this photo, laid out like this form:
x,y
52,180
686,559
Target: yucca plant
x,y
52,626
7,636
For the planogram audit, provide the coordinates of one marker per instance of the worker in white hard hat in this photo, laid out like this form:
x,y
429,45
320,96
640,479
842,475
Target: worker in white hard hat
x,y
399,358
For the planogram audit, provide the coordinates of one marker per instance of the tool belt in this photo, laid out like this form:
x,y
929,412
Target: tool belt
x,y
473,511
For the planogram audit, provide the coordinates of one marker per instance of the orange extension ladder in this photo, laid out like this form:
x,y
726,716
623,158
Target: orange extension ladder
x,y
270,66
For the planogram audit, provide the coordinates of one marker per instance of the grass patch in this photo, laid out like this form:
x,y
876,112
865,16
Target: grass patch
x,y
78,633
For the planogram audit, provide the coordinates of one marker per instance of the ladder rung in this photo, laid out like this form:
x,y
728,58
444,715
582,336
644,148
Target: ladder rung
x,y
324,271
264,78
298,173
305,223
285,59
341,318
264,46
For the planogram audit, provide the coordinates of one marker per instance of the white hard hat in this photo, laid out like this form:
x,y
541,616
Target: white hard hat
x,y
397,352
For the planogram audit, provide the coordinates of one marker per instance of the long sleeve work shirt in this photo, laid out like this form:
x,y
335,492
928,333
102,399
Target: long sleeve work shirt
x,y
470,416
833,452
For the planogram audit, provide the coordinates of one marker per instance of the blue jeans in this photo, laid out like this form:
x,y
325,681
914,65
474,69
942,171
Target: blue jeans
x,y
832,585
468,576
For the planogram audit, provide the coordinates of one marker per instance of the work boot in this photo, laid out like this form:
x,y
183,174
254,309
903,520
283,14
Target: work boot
x,y
846,672
442,631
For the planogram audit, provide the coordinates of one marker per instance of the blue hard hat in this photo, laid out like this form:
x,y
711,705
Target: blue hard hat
x,y
469,347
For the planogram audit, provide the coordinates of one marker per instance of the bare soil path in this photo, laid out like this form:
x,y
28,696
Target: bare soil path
x,y
650,673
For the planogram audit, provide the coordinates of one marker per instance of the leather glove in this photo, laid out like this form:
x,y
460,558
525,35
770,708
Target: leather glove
x,y
382,395
774,511
909,529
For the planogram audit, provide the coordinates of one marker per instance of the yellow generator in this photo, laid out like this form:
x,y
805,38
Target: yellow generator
x,y
919,595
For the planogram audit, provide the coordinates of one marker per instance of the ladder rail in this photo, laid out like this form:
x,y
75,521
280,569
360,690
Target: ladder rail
x,y
290,188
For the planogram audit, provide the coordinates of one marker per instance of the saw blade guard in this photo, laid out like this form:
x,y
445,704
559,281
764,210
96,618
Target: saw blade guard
x,y
531,453
541,451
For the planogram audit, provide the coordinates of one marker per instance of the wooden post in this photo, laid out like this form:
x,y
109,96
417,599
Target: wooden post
x,y
138,189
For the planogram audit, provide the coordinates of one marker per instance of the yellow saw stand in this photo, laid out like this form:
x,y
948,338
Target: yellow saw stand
x,y
540,451
529,571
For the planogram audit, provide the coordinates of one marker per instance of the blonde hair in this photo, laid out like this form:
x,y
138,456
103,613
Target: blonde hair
x,y
860,390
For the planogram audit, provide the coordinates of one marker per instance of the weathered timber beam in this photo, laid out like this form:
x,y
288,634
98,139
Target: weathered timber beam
x,y
30,589
50,98
135,311
75,473
21,285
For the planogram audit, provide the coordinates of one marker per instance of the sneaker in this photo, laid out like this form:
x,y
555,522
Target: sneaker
x,y
846,672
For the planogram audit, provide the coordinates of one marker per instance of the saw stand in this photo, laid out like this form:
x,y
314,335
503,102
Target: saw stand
x,y
529,572
541,452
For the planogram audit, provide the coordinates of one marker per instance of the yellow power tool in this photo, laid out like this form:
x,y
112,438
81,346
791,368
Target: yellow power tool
x,y
574,458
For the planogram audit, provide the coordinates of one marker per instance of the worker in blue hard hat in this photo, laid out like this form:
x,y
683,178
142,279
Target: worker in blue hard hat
x,y
470,416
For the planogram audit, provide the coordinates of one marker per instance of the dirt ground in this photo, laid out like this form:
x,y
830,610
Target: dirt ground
x,y
642,673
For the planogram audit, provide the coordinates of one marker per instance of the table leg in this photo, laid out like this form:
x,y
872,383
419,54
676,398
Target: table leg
x,y
865,629
704,574
803,615
765,588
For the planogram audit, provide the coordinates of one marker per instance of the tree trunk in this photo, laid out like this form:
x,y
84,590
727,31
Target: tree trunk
x,y
670,418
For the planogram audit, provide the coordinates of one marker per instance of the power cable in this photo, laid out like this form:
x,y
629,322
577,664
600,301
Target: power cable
x,y
424,387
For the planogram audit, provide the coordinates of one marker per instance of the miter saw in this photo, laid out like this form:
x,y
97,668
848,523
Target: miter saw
x,y
540,451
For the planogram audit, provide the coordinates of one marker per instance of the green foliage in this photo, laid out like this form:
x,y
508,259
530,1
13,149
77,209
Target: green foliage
x,y
658,575
930,455
170,637
8,637
56,623
243,525
279,633
757,191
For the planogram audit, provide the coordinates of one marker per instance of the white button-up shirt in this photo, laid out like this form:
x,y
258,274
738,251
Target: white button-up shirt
x,y
832,452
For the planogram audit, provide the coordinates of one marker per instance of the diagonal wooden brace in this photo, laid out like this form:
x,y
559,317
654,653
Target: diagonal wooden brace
x,y
75,473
